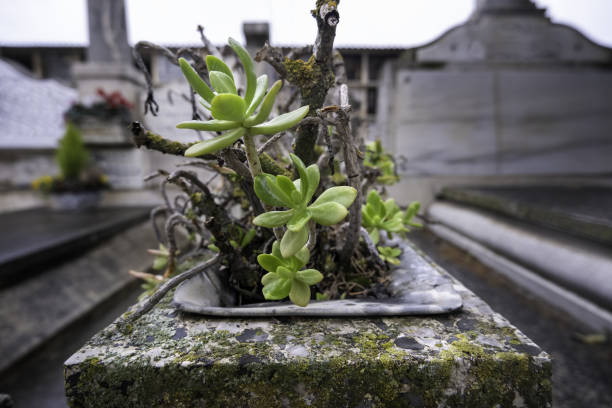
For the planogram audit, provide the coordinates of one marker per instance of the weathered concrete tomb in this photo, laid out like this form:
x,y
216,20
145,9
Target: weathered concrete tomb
x,y
473,358
508,97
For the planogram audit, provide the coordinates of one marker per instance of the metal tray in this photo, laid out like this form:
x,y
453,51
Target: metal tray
x,y
418,287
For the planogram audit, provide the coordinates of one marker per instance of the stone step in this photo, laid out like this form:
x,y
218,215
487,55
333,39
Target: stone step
x,y
572,274
580,211
40,307
37,238
473,358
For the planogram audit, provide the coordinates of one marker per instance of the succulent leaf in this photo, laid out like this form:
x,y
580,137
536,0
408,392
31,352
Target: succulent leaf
x,y
309,276
260,92
209,126
374,235
303,256
293,241
300,293
265,193
277,191
249,69
299,220
375,203
313,176
215,64
328,213
281,123
391,208
268,278
215,144
287,186
269,262
228,107
195,81
301,169
284,272
266,105
344,195
277,289
273,219
222,83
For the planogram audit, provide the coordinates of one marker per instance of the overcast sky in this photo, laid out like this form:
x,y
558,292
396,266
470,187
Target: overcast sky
x,y
397,22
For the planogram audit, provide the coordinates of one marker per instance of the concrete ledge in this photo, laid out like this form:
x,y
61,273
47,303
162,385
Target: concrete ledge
x,y
19,200
474,358
41,236
582,211
37,309
579,266
579,308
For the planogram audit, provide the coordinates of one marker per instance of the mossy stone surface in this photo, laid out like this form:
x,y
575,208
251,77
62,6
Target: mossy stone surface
x,y
473,358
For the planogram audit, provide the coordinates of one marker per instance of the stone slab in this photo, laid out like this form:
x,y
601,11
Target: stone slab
x,y
583,211
40,307
567,302
39,236
474,358
577,265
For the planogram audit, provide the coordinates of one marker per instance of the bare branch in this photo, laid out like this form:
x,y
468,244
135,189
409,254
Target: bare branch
x,y
209,47
353,170
327,19
300,52
339,68
274,57
153,141
153,215
371,247
314,91
270,142
149,303
172,222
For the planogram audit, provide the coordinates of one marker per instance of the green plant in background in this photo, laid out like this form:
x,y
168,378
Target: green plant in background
x,y
389,254
377,158
285,276
72,157
279,191
231,112
73,161
378,215
410,213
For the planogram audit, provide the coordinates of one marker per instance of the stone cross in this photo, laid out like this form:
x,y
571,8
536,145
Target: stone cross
x,y
107,31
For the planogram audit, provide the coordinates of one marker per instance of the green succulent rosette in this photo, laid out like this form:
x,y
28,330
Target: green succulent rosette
x,y
234,114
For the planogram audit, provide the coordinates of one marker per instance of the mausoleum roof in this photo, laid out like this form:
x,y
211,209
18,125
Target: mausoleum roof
x,y
31,109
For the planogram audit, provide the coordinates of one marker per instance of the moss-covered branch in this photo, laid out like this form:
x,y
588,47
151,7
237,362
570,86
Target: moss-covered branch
x,y
153,141
271,166
315,76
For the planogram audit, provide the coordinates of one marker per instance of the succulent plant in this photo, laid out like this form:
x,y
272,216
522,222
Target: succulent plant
x,y
285,277
389,254
409,214
279,191
377,216
376,157
231,112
